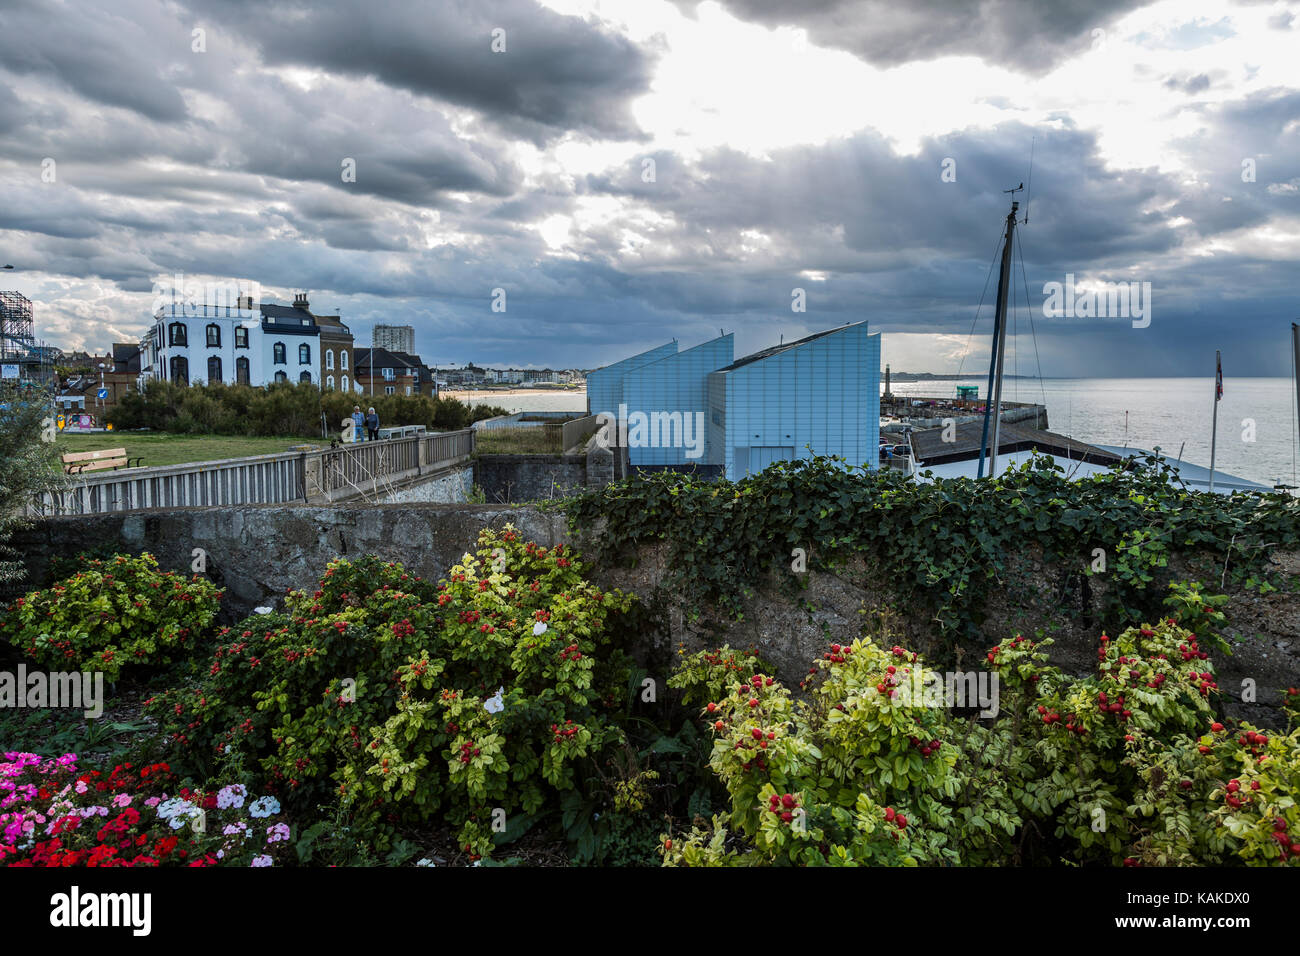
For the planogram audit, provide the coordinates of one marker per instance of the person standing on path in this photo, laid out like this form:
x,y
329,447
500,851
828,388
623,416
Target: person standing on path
x,y
357,424
372,425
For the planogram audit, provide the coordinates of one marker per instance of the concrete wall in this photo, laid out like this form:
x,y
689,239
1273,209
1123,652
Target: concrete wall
x,y
576,431
449,488
527,420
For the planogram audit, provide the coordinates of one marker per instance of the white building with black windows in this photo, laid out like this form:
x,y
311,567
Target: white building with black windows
x,y
247,344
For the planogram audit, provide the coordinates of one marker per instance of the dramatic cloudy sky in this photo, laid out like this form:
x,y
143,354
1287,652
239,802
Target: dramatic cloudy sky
x,y
792,145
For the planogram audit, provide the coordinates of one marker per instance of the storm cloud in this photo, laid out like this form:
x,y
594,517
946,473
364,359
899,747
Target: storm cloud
x,y
629,175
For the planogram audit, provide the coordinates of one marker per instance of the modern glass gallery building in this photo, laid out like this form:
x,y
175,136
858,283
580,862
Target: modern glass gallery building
x,y
700,408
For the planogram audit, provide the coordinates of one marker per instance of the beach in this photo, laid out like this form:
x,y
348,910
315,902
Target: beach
x,y
524,399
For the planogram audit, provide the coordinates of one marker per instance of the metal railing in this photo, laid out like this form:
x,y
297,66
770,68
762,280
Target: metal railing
x,y
360,470
361,466
447,448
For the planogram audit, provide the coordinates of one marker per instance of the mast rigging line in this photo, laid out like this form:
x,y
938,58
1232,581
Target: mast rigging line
x,y
997,248
1033,334
1029,191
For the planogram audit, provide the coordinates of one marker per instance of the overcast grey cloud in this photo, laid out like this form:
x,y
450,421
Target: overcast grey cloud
x,y
554,73
101,52
634,172
1023,35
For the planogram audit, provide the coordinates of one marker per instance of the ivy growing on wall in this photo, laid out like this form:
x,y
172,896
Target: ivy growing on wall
x,y
943,545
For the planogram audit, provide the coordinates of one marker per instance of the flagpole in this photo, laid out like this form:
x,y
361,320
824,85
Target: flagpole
x,y
1214,428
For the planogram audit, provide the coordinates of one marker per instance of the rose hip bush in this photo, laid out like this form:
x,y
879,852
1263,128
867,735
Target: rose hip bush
x,y
520,681
1224,796
53,814
857,775
1126,766
404,701
112,614
705,676
290,697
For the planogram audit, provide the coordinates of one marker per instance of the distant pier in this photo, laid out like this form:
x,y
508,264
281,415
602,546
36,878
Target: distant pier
x,y
900,412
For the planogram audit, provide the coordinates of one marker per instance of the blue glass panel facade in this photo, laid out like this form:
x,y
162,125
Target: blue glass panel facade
x,y
605,385
667,406
815,397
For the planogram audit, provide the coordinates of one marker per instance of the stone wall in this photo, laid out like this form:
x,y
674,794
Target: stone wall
x,y
506,479
256,552
791,626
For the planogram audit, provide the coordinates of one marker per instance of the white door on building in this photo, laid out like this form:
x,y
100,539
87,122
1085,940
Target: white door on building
x,y
760,456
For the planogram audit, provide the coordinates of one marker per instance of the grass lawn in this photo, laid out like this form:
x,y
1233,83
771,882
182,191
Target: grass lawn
x,y
518,441
162,449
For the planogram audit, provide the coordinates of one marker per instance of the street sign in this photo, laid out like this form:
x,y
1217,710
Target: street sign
x,y
102,394
8,371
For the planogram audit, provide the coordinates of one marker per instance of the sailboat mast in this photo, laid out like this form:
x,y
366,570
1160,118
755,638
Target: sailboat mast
x,y
1214,428
993,406
1295,371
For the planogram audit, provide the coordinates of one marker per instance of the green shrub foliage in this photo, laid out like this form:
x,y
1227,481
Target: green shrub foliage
x,y
407,701
27,460
1126,766
288,409
112,614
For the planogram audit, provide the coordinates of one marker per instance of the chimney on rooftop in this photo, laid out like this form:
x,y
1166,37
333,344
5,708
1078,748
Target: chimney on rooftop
x,y
300,301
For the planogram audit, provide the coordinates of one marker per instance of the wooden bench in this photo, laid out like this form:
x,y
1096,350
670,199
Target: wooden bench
x,y
114,458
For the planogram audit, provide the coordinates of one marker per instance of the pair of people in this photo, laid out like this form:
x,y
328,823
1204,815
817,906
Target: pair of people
x,y
369,421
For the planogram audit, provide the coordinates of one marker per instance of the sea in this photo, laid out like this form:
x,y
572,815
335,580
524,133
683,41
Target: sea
x,y
1256,432
1257,423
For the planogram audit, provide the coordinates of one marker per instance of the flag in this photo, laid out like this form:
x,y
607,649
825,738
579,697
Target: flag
x,y
1218,377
